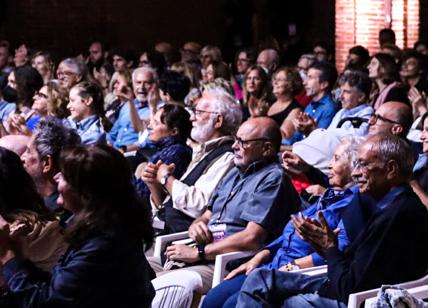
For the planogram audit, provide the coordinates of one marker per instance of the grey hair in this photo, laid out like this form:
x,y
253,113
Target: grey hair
x,y
51,137
144,70
226,105
390,147
350,145
77,66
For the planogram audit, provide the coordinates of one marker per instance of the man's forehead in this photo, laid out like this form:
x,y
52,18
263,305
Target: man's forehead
x,y
144,76
249,130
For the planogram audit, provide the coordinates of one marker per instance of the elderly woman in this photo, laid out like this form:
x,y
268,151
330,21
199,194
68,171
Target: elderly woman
x,y
286,83
105,264
289,252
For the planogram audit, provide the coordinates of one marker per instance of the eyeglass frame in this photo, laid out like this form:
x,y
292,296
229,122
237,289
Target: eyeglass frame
x,y
245,143
197,112
377,117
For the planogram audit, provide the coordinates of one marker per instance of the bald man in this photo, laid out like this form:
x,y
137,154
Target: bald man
x,y
268,59
15,143
247,210
391,117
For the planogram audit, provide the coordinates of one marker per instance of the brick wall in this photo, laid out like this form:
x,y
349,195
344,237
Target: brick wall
x,y
358,23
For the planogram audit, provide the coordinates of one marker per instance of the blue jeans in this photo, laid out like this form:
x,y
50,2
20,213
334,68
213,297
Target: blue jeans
x,y
271,288
225,294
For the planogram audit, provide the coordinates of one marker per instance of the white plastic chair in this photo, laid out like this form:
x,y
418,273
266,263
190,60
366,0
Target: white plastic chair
x,y
220,260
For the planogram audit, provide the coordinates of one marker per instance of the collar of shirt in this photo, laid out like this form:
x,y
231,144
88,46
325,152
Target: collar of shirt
x,y
390,196
330,196
139,104
323,100
256,166
86,123
355,110
211,144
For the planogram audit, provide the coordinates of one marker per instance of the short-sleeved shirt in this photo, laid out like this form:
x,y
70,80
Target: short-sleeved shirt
x,y
263,194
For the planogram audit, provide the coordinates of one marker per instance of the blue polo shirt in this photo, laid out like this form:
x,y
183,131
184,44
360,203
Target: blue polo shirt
x,y
289,246
322,111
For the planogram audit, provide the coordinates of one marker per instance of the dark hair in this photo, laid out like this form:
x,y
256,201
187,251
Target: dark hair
x,y
17,190
324,45
265,84
28,81
389,66
175,84
328,73
422,60
93,90
102,177
362,53
386,36
251,54
294,82
358,80
51,137
175,116
157,61
221,70
128,55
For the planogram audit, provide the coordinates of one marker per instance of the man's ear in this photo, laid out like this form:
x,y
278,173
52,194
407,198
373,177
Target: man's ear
x,y
396,129
324,85
129,64
47,164
88,101
79,78
392,169
219,121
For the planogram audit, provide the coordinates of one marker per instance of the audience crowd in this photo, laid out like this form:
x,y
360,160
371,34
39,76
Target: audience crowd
x,y
298,166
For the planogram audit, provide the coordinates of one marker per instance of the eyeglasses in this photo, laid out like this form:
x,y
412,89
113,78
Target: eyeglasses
x,y
364,165
41,95
246,143
59,74
198,112
279,79
374,117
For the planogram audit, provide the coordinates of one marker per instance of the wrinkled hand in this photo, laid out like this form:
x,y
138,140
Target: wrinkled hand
x,y
316,190
182,253
163,169
418,100
126,94
199,232
17,124
101,78
293,163
316,233
149,174
246,268
258,107
304,123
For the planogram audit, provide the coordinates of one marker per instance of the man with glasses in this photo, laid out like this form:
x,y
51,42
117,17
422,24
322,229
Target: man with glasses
x,y
247,210
390,249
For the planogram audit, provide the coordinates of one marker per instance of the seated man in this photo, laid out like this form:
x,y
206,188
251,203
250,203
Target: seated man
x,y
289,252
355,91
248,209
390,249
215,119
41,157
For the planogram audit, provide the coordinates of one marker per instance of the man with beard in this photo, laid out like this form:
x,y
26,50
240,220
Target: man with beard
x,y
122,133
248,209
96,57
215,119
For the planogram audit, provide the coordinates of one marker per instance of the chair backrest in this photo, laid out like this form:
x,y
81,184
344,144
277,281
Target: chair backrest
x,y
355,121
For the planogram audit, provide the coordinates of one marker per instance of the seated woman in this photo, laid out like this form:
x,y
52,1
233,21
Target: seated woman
x,y
169,130
286,83
289,251
87,113
105,264
37,233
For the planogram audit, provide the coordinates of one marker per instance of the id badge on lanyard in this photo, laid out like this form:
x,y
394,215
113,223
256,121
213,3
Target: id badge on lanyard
x,y
218,231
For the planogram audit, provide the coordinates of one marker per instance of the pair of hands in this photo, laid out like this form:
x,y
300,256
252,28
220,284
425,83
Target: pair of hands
x,y
17,124
304,123
293,163
198,232
418,100
153,173
258,107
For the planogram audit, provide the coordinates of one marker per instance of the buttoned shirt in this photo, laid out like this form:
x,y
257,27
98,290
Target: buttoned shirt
x,y
262,194
6,109
90,129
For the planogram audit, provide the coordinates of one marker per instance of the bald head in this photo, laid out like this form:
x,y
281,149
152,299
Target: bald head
x,y
15,143
268,59
266,128
393,117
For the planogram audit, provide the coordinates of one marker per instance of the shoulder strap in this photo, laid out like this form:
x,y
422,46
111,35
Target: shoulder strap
x,y
194,175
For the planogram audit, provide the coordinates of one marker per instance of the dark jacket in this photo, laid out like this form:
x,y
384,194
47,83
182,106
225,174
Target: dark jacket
x,y
107,270
392,248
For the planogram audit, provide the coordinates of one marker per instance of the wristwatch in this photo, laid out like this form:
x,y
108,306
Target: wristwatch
x,y
201,251
164,179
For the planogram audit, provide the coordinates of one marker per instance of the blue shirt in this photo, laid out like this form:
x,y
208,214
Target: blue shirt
x,y
322,111
6,109
169,150
122,133
90,129
289,246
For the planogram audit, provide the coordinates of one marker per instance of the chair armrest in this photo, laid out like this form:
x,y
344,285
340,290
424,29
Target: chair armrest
x,y
311,271
222,260
161,241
